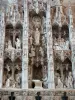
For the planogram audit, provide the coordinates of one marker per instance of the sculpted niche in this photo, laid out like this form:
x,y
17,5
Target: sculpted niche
x,y
12,57
37,48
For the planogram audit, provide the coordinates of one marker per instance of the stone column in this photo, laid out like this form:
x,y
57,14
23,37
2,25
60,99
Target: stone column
x,y
73,63
2,36
72,42
51,84
25,48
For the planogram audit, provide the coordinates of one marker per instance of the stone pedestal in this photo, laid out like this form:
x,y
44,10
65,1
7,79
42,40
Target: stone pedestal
x,y
38,84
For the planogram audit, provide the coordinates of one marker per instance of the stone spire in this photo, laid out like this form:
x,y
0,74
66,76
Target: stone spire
x,y
13,14
36,5
70,16
59,13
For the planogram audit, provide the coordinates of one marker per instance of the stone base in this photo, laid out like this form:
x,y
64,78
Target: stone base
x,y
38,84
30,94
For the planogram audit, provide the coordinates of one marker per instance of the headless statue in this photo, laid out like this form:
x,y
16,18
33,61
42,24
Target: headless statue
x,y
12,97
38,97
64,97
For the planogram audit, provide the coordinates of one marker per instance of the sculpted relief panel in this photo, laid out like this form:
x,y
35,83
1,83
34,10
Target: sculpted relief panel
x,y
12,57
62,60
37,47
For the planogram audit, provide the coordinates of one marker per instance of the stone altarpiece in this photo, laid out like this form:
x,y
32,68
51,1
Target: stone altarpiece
x,y
36,45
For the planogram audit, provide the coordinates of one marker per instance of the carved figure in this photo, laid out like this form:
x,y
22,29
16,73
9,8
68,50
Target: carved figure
x,y
32,61
45,81
9,45
33,51
64,97
8,67
31,40
12,85
62,43
41,51
18,43
37,37
12,97
18,67
58,2
56,47
8,82
43,40
59,45
18,80
56,78
70,80
60,84
67,45
37,22
6,45
62,55
38,97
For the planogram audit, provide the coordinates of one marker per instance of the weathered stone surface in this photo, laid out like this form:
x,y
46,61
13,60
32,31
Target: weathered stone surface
x,y
45,94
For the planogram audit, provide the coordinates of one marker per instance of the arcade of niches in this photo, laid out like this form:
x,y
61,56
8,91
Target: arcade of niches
x,y
37,45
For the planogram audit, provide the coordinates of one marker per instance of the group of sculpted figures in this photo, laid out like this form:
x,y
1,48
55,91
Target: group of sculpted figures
x,y
59,82
11,81
36,42
41,52
67,83
36,38
61,44
17,44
